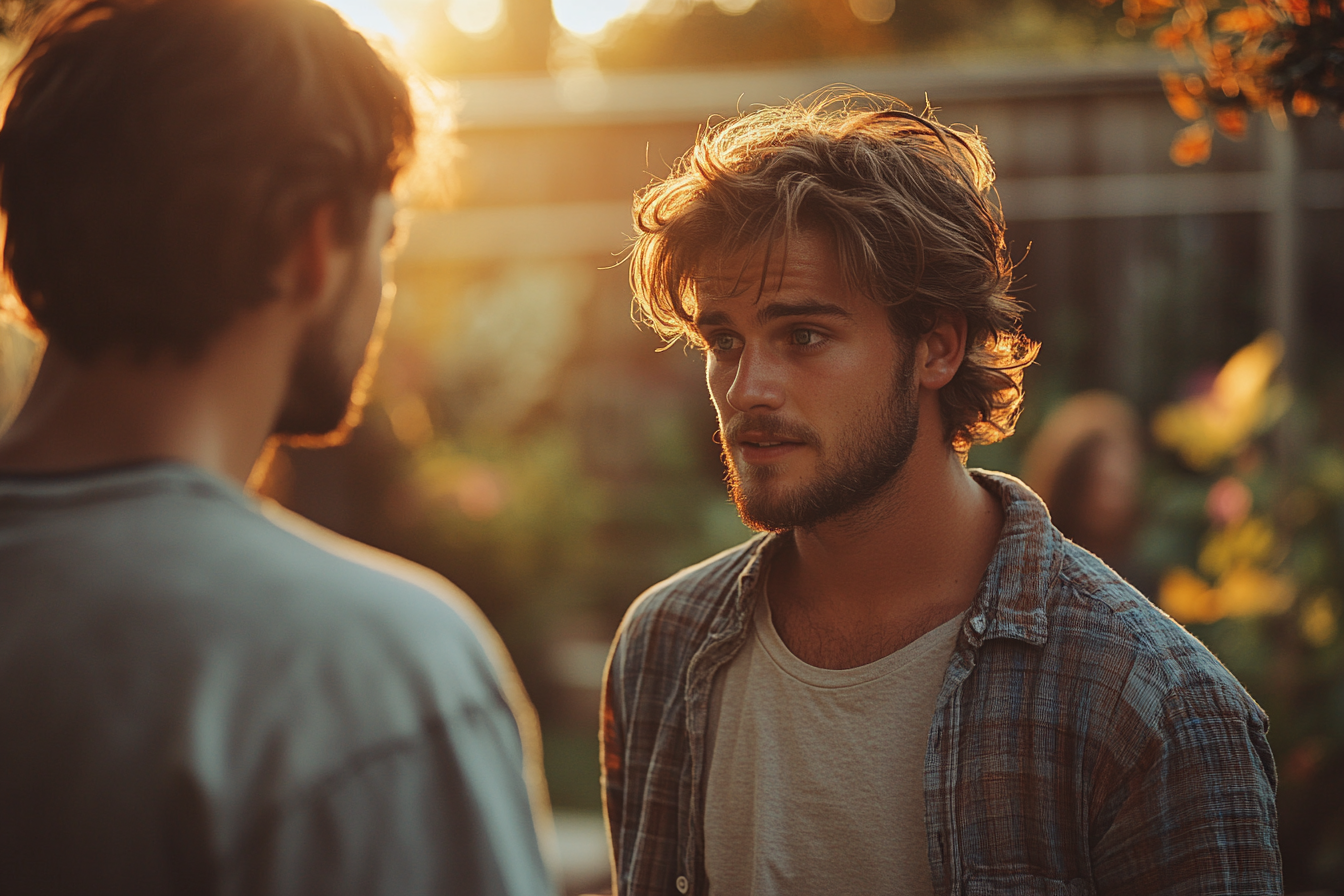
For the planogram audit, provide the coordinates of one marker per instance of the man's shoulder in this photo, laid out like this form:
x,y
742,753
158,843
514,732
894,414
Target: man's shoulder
x,y
691,598
1113,633
386,583
189,563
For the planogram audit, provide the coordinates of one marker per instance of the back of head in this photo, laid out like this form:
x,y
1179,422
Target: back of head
x,y
159,157
908,203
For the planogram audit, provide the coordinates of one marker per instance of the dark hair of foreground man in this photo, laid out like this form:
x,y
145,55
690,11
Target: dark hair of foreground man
x,y
911,682
203,693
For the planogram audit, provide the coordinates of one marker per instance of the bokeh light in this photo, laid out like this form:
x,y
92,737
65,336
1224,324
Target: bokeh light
x,y
588,17
475,17
734,7
368,17
873,12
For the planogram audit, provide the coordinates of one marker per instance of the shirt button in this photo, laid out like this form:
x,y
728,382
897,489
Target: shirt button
x,y
978,624
683,885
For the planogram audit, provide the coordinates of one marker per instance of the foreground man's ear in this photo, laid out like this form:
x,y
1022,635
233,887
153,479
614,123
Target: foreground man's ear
x,y
308,273
940,351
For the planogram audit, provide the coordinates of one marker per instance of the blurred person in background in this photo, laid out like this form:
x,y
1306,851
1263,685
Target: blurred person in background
x,y
911,682
198,699
1084,463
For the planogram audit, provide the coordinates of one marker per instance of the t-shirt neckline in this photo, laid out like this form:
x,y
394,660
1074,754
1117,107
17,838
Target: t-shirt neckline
x,y
941,636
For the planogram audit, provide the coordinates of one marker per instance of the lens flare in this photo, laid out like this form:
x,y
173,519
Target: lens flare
x,y
368,17
475,17
874,12
588,17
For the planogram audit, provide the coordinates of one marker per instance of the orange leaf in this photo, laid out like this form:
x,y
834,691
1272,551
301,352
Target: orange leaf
x,y
1168,38
1178,95
1231,122
1193,144
1305,105
1247,20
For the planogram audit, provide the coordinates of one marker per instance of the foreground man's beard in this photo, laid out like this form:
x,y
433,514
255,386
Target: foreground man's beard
x,y
870,457
322,404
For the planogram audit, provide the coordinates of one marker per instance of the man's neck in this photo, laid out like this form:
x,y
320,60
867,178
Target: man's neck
x,y
853,590
214,412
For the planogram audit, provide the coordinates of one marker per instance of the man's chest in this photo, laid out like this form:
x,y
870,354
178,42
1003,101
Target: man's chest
x,y
815,777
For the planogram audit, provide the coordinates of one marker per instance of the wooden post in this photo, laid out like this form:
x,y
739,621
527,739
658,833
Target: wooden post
x,y
1283,242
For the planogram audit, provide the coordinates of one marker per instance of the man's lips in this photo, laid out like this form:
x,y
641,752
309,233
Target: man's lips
x,y
765,441
765,448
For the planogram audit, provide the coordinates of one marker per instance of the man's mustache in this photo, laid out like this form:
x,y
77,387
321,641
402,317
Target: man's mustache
x,y
768,428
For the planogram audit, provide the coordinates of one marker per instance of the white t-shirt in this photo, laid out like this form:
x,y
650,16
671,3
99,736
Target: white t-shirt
x,y
816,776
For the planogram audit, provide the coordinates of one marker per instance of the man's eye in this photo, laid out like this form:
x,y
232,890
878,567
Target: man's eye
x,y
722,342
804,337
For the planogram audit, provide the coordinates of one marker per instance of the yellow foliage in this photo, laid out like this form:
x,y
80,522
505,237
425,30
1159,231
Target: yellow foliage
x,y
1318,621
1210,427
1187,597
1250,542
1247,591
1243,590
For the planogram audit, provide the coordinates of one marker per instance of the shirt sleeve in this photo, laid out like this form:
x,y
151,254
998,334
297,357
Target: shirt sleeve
x,y
445,812
1196,814
612,756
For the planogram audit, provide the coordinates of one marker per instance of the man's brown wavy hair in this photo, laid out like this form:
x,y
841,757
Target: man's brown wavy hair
x,y
158,158
909,203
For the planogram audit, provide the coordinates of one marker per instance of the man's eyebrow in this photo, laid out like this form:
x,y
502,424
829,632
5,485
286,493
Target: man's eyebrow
x,y
776,310
711,319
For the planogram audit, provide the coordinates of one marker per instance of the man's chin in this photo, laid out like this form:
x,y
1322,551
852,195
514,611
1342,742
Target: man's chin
x,y
765,508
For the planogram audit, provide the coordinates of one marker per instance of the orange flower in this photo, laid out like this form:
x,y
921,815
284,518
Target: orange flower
x,y
1192,145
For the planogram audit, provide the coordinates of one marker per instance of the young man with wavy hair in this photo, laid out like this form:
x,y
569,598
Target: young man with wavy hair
x,y
910,683
201,695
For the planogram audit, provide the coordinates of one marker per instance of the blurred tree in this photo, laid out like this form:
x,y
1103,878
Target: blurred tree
x,y
1277,56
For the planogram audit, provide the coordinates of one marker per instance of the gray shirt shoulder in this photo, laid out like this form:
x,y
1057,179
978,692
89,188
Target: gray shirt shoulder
x,y
209,698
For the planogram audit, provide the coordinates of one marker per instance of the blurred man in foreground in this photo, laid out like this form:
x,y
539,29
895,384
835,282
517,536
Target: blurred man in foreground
x,y
912,683
196,699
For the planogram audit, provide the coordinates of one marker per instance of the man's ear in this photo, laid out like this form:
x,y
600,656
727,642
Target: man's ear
x,y
940,351
307,271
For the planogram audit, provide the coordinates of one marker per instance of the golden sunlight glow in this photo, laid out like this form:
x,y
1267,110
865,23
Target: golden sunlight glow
x,y
476,17
588,17
368,17
735,7
874,12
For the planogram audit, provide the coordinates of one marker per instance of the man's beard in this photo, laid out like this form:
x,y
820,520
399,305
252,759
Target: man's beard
x,y
870,458
325,399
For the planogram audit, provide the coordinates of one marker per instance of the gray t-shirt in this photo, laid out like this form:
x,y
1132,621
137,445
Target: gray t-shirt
x,y
196,700
816,776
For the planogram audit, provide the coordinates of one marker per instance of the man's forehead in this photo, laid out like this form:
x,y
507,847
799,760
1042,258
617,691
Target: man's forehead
x,y
763,266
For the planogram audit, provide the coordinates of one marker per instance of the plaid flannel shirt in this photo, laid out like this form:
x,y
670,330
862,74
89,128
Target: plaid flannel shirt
x,y
1082,743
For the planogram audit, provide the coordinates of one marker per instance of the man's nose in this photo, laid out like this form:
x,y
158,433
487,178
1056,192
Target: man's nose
x,y
758,382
